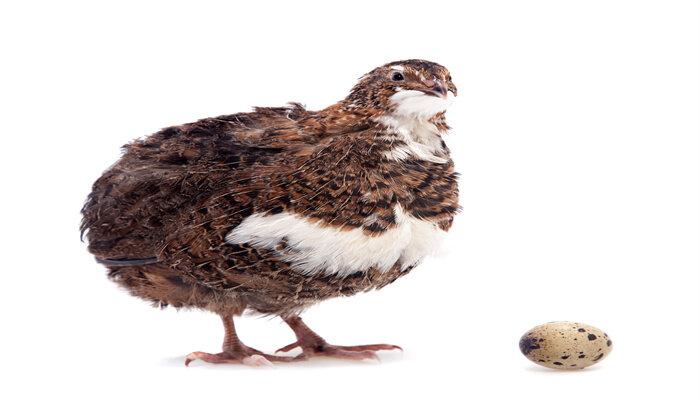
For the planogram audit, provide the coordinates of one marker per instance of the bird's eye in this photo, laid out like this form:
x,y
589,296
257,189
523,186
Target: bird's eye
x,y
449,79
397,76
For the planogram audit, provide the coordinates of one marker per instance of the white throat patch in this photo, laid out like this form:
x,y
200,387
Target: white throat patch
x,y
410,121
311,248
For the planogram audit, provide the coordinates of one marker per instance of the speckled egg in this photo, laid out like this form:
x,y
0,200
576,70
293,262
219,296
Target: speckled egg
x,y
565,345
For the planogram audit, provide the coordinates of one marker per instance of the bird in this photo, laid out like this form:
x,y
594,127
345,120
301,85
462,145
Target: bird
x,y
271,211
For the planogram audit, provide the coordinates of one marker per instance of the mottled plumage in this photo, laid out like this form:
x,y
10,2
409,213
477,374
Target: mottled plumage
x,y
274,210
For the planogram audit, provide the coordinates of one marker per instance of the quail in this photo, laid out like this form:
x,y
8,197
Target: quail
x,y
275,210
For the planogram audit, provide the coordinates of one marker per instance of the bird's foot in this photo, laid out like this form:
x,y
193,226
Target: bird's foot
x,y
322,348
240,354
234,351
254,360
312,344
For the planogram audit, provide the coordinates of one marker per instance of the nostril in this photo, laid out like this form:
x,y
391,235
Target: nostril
x,y
429,82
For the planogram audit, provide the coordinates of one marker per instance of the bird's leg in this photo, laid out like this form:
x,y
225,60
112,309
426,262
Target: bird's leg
x,y
234,351
312,344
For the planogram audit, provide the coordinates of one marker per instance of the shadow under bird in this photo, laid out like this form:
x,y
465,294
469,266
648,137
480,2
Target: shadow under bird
x,y
275,210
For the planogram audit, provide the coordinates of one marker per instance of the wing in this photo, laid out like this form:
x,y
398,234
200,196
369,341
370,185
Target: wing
x,y
141,199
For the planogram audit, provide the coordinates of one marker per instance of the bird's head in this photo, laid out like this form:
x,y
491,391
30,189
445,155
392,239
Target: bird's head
x,y
409,88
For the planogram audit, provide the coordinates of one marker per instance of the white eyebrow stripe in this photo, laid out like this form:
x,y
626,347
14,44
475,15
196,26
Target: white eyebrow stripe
x,y
397,67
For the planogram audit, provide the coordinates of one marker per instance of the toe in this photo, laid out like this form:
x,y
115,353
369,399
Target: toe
x,y
195,355
287,348
339,352
371,347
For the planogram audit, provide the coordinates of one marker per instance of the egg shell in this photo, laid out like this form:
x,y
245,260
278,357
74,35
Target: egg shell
x,y
565,345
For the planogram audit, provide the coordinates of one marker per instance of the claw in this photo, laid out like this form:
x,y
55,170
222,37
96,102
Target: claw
x,y
191,357
257,360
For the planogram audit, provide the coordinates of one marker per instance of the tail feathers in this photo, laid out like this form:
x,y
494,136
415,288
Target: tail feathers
x,y
126,262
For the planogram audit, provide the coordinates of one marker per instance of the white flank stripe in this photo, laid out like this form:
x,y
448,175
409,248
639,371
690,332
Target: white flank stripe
x,y
312,248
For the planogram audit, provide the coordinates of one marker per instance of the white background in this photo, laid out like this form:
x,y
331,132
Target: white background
x,y
576,131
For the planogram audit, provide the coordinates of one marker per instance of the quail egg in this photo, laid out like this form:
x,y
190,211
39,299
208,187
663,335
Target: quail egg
x,y
565,345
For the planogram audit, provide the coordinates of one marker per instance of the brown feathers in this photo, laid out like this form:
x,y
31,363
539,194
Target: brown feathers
x,y
175,197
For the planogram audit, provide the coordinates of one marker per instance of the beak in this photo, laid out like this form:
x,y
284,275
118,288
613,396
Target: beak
x,y
436,86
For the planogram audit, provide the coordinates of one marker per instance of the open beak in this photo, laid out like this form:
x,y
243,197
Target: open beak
x,y
436,86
